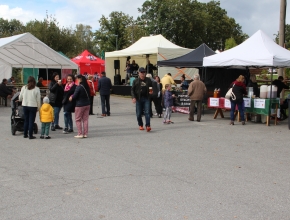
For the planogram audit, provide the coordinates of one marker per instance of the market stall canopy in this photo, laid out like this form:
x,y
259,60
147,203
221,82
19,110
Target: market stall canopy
x,y
25,50
257,51
145,45
89,63
192,59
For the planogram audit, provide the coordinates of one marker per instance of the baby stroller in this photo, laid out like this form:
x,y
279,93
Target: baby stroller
x,y
17,116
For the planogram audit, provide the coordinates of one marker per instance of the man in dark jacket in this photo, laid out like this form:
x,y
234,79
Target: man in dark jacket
x,y
280,85
141,96
4,90
104,87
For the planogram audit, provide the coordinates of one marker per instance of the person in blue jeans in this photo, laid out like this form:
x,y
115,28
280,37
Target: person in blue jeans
x,y
238,92
56,97
30,98
141,91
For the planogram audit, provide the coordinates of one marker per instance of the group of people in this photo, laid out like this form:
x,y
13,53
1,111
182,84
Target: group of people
x,y
74,96
143,91
239,91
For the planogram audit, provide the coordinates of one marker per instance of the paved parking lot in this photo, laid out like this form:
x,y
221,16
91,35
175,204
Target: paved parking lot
x,y
186,170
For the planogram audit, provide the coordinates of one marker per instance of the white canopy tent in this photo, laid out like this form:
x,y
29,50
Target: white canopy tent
x,y
257,51
26,51
157,47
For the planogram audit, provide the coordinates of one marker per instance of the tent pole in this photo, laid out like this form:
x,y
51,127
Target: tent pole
x,y
270,104
46,76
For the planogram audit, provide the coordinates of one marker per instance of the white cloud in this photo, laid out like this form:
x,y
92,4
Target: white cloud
x,y
18,13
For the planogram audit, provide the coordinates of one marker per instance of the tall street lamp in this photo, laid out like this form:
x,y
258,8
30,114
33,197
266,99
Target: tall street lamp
x,y
116,35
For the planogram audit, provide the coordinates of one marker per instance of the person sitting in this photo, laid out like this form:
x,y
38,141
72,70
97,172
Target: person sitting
x,y
39,83
184,83
11,80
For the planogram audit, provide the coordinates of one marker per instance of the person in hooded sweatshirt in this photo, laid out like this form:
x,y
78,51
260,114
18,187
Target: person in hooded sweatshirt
x,y
46,115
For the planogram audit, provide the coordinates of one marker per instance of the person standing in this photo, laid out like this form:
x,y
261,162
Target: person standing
x,y
239,90
158,100
196,91
154,95
128,72
149,68
68,106
105,86
140,95
168,103
281,84
92,92
167,79
30,98
134,69
46,116
55,99
5,92
39,83
82,109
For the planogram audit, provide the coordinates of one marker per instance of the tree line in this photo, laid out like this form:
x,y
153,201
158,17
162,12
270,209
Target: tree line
x,y
187,23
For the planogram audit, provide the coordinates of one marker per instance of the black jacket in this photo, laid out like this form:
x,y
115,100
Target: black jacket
x,y
81,96
239,90
255,88
104,86
69,106
280,86
56,94
136,87
4,90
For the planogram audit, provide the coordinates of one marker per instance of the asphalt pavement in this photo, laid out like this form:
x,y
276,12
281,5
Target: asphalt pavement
x,y
186,170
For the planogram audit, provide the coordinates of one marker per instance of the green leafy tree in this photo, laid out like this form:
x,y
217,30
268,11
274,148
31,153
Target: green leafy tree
x,y
230,43
113,29
189,23
10,27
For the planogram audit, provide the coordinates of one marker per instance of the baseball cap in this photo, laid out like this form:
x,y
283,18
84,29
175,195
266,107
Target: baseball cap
x,y
141,69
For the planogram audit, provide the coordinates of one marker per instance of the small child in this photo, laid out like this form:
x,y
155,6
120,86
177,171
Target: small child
x,y
168,103
46,117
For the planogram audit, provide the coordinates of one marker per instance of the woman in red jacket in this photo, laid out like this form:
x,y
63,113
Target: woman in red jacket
x,y
92,92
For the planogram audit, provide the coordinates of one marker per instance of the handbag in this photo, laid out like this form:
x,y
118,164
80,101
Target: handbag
x,y
230,94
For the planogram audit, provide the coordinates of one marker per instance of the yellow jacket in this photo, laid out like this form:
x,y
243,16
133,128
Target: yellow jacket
x,y
46,113
167,80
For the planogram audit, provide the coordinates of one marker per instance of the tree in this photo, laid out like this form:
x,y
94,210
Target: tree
x,y
230,43
113,29
195,24
10,28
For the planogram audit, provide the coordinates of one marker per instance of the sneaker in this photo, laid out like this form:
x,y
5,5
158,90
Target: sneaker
x,y
141,128
148,128
65,131
47,137
70,130
85,136
32,137
79,136
41,136
155,114
52,128
57,127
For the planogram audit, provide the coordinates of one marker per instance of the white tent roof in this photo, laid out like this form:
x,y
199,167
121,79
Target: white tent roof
x,y
257,51
25,50
145,45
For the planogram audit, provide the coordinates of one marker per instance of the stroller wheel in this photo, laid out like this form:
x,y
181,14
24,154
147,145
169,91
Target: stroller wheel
x,y
35,128
13,129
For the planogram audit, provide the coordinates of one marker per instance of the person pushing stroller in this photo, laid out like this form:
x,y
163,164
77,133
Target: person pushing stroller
x,y
46,117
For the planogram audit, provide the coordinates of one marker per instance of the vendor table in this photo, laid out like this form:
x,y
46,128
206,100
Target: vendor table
x,y
256,106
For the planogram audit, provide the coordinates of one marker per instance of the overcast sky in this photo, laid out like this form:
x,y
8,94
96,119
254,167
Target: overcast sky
x,y
252,15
